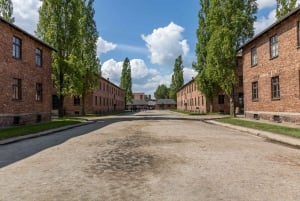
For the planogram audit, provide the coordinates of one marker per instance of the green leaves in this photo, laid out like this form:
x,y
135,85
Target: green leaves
x,y
177,78
161,92
6,10
125,81
284,7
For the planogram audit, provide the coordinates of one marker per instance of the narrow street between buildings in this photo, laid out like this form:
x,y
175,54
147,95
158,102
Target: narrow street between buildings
x,y
150,155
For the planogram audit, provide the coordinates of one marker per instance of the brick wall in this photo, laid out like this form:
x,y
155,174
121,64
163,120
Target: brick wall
x,y
286,66
27,108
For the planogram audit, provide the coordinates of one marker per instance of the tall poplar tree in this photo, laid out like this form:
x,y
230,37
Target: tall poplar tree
x,y
88,72
59,25
228,24
284,7
125,81
6,10
177,78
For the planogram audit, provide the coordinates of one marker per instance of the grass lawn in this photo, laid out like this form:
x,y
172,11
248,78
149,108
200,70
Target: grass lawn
x,y
34,128
294,132
188,113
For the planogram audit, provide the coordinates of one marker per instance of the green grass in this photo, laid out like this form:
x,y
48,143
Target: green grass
x,y
294,132
6,133
188,113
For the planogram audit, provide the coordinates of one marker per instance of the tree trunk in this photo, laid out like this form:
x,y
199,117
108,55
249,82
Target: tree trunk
x,y
61,111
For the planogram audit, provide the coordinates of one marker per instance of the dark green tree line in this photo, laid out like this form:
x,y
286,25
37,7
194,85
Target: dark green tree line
x,y
284,7
6,10
161,92
125,81
177,78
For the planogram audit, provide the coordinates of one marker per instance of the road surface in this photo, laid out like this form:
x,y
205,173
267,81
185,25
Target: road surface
x,y
151,155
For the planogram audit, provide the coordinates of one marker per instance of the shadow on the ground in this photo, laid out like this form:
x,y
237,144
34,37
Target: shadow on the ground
x,y
17,151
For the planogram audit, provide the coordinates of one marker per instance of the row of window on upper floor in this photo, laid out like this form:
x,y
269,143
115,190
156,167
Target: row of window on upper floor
x,y
17,51
273,47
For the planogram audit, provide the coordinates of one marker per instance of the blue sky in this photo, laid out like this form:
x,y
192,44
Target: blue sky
x,y
151,33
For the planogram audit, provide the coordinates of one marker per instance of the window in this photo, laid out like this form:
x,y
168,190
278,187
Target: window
x,y
38,57
39,92
253,57
76,100
298,33
275,87
96,100
274,46
221,99
17,89
240,81
17,44
255,91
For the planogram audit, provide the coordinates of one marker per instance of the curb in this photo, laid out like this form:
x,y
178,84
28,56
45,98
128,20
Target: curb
x,y
282,139
43,133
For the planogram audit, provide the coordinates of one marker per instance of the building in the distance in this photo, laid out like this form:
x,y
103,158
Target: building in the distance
x,y
106,98
25,77
271,65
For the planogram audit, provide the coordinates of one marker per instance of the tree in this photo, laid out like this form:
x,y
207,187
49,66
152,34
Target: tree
x,y
6,10
284,7
227,25
161,92
206,85
126,82
59,25
88,71
177,78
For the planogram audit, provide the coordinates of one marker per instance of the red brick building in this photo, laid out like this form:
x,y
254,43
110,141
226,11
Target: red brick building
x,y
25,77
271,65
189,98
106,98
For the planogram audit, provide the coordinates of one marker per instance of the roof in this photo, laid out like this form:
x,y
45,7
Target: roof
x,y
138,102
191,81
107,80
26,33
295,11
165,102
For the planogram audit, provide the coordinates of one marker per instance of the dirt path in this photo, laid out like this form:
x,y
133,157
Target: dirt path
x,y
174,160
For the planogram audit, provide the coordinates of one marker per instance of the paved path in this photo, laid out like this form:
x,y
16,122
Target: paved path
x,y
153,155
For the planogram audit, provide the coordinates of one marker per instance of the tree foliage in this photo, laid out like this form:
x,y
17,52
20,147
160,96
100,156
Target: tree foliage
x,y
177,78
223,27
6,10
161,92
284,7
125,81
67,26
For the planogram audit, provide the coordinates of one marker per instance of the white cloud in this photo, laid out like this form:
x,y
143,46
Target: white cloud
x,y
144,78
26,14
166,44
188,74
104,46
264,22
266,4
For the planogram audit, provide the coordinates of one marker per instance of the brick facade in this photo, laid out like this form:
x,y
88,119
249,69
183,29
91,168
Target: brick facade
x,y
25,86
272,82
106,98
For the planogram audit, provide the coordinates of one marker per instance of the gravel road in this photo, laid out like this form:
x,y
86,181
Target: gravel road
x,y
156,159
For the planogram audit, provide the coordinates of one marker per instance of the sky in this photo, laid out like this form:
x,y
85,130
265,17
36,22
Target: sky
x,y
151,33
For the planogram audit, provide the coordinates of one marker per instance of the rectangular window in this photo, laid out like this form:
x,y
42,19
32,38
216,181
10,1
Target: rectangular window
x,y
298,33
17,89
275,87
38,57
221,99
255,91
96,100
17,45
39,92
253,57
76,100
274,46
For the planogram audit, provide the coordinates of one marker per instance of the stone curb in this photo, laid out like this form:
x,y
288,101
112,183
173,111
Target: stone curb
x,y
43,133
287,140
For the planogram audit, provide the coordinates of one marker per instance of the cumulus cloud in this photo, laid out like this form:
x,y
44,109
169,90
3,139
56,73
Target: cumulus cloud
x,y
26,14
264,22
166,44
144,78
266,4
188,74
104,46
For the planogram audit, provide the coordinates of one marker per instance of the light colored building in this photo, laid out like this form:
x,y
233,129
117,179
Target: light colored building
x,y
25,77
271,67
